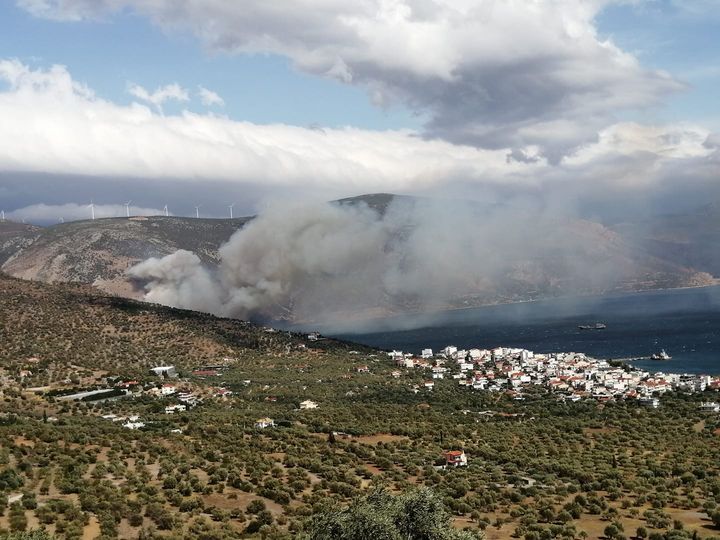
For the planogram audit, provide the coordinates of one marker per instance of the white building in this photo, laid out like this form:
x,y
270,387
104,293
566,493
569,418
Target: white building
x,y
172,409
263,423
165,371
308,404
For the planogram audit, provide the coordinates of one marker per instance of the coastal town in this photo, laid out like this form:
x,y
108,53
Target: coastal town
x,y
572,376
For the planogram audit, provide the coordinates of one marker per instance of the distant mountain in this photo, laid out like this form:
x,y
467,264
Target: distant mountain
x,y
100,251
691,239
377,201
587,258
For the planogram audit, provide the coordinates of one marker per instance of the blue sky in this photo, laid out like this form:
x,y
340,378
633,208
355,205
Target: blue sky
x,y
516,100
262,88
684,42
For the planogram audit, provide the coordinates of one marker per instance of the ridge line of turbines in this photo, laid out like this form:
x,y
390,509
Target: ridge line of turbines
x,y
165,209
91,206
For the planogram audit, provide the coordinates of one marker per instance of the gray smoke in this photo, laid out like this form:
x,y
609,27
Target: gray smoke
x,y
333,262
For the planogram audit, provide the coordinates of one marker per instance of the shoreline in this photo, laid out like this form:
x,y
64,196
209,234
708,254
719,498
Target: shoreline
x,y
434,313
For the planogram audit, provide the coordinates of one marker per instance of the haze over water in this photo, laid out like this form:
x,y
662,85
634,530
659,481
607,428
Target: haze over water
x,y
686,323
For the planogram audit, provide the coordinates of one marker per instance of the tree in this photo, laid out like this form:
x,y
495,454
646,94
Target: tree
x,y
611,531
416,515
641,533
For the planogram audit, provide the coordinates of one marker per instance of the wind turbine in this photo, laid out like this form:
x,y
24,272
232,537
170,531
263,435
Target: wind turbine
x,y
91,206
197,212
127,208
2,213
166,210
231,207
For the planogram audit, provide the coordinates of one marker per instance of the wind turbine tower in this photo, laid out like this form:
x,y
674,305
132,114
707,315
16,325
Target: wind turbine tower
x,y
127,208
166,211
231,208
197,212
2,213
91,206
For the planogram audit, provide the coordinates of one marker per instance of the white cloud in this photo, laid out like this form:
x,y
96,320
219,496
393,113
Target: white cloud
x,y
51,124
38,213
162,94
210,98
487,73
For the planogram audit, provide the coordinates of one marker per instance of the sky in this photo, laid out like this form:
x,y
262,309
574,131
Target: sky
x,y
593,107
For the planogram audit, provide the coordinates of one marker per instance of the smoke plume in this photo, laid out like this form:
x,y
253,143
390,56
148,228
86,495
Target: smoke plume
x,y
333,262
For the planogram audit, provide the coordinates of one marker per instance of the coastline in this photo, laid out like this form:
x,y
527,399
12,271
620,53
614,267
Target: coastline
x,y
348,323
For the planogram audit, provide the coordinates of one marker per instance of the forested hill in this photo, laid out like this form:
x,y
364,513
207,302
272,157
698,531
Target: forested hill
x,y
79,325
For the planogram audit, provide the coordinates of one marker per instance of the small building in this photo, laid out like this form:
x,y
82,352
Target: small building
x,y
710,407
168,389
308,404
313,336
263,423
168,372
172,409
649,402
362,369
455,458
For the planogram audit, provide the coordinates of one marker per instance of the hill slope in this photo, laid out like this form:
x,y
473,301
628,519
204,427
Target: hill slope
x,y
14,237
71,324
100,251
691,239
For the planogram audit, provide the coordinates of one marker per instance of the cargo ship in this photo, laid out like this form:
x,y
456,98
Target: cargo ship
x,y
596,326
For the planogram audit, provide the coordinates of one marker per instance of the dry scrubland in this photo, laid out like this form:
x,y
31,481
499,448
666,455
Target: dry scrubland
x,y
557,470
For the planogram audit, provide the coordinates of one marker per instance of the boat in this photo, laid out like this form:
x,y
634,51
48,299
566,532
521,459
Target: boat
x,y
662,355
596,326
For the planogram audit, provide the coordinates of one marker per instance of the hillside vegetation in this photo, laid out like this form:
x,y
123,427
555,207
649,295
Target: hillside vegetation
x,y
537,468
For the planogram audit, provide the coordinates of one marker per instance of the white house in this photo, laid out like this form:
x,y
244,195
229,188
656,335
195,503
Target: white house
x,y
165,371
168,389
710,406
172,409
455,458
308,404
426,353
263,423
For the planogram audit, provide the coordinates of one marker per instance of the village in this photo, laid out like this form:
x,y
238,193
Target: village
x,y
572,376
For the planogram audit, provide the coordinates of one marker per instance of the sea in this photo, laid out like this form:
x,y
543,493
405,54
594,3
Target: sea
x,y
683,322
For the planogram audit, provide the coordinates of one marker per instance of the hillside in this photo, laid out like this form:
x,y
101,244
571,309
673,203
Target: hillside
x,y
691,239
228,452
14,237
71,324
100,251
